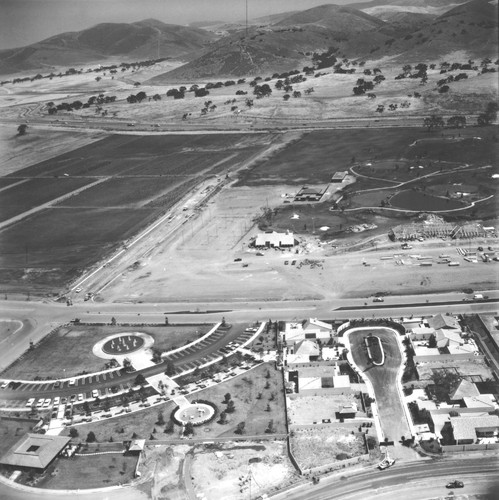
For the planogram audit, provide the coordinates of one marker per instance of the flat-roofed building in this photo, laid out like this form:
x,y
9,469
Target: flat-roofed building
x,y
275,240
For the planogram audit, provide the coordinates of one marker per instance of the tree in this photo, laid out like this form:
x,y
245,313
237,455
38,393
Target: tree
x,y
240,428
161,418
231,408
433,122
140,379
170,427
432,341
73,432
113,321
456,121
188,429
91,437
21,130
227,398
270,428
268,407
223,418
170,368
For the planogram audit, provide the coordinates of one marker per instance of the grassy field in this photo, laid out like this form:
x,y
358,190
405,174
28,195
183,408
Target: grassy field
x,y
383,379
98,471
69,350
12,429
147,175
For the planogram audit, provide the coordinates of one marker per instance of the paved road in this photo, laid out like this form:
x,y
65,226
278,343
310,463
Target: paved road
x,y
41,317
414,481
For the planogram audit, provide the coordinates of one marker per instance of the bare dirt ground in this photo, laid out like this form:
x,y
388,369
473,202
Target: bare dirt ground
x,y
307,410
231,471
318,446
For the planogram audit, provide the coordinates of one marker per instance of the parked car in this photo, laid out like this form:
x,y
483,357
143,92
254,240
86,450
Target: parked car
x,y
46,403
40,402
73,398
80,397
95,393
57,401
4,385
378,299
455,484
30,402
238,259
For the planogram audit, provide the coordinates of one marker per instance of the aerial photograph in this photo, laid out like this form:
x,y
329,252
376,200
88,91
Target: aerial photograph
x,y
249,250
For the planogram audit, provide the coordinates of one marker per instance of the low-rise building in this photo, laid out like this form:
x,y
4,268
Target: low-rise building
x,y
469,429
35,451
275,240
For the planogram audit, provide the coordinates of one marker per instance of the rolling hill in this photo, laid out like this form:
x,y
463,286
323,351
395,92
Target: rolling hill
x,y
134,41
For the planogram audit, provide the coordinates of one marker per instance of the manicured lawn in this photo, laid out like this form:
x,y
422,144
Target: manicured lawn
x,y
244,391
69,350
97,471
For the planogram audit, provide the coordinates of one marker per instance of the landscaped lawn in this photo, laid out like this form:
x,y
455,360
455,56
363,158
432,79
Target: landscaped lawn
x,y
68,351
95,471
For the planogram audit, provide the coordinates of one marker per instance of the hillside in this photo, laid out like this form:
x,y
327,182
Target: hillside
x,y
140,40
334,17
470,27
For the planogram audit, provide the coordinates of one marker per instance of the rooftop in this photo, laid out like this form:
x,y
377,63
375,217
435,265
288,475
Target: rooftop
x,y
35,450
465,427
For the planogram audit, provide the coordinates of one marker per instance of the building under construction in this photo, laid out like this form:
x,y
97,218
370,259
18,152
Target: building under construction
x,y
439,229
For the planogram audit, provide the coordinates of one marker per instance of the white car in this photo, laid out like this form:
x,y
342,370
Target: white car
x,y
30,402
57,401
47,402
4,385
80,397
95,393
78,290
39,404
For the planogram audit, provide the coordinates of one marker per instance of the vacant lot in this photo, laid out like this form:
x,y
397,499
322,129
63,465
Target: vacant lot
x,y
384,379
307,410
224,471
69,349
323,445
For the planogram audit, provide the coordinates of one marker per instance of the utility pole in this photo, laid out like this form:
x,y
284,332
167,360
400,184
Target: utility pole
x,y
246,18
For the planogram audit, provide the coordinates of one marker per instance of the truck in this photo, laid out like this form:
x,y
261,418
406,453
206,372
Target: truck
x,y
480,296
453,264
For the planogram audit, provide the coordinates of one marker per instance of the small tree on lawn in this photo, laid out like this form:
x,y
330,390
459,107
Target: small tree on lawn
x,y
223,418
188,429
170,368
227,398
169,427
267,385
259,396
268,407
240,428
73,432
231,408
161,418
91,437
267,375
21,130
140,379
270,429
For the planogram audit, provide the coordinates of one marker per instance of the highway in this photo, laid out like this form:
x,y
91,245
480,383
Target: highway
x,y
39,318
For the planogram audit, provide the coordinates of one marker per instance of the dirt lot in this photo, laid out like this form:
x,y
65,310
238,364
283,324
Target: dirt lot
x,y
307,410
69,350
318,446
384,380
230,471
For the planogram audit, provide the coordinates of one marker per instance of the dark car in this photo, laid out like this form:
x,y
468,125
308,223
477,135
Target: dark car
x,y
238,260
455,484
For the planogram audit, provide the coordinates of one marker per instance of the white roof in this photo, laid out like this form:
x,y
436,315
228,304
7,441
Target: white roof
x,y
275,239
